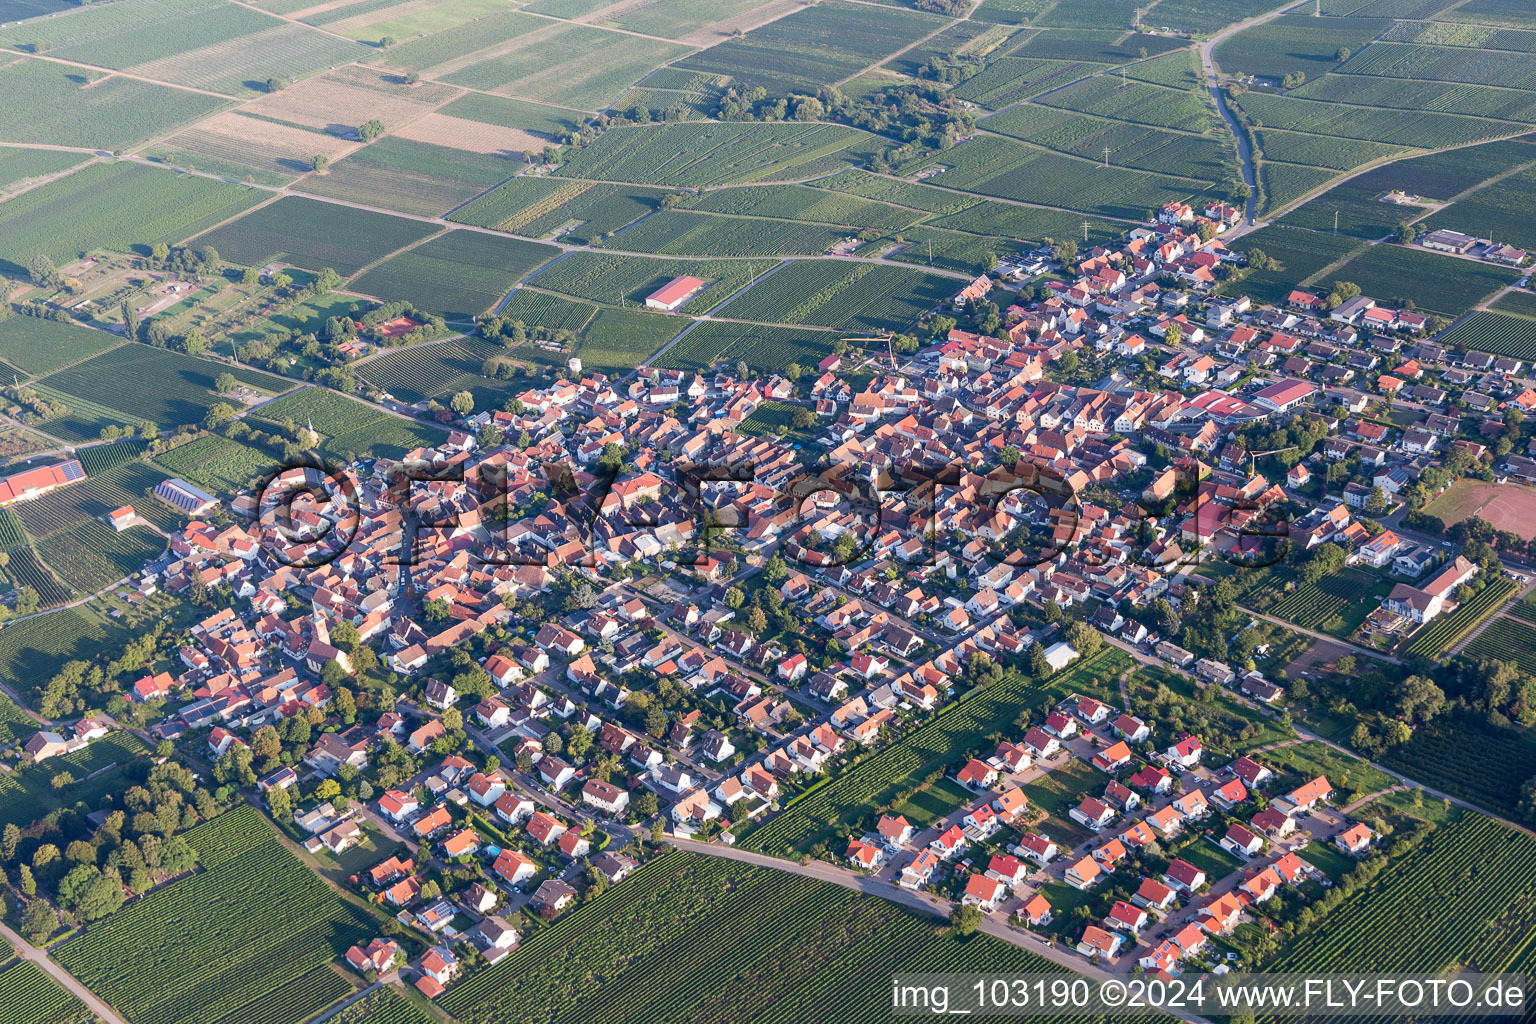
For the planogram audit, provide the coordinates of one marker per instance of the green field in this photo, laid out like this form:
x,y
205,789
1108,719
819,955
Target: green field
x,y
1357,203
204,44
1505,639
1468,896
18,167
1295,42
1335,604
1463,755
680,233
120,206
29,794
352,427
313,235
90,555
1299,254
702,155
458,275
1001,167
36,346
627,280
766,350
1496,334
581,212
814,46
217,464
1440,634
59,105
412,177
1434,283
668,943
570,65
842,295
509,113
1499,211
535,309
618,340
153,384
32,997
97,495
1010,80
233,936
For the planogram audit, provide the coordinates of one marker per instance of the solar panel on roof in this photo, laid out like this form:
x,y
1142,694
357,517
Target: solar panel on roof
x,y
72,471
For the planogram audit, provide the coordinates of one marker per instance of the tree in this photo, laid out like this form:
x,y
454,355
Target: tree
x,y
1406,234
370,130
810,109
218,414
328,789
412,77
224,383
453,720
1376,503
965,919
130,320
9,839
462,403
1342,55
43,272
276,84
280,803
319,162
39,920
646,804
656,721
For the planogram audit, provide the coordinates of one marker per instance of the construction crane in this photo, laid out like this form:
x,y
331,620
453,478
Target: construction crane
x,y
1253,457
883,337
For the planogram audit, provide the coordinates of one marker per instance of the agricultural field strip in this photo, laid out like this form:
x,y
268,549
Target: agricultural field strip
x,y
280,192
125,73
703,316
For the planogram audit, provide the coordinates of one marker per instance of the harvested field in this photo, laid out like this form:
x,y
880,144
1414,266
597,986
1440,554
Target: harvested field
x,y
234,144
345,98
473,136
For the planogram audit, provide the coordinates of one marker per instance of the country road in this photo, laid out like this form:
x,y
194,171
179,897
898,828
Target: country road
x,y
26,951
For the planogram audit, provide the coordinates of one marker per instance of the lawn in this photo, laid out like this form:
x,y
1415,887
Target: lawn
x,y
934,802
1204,854
1351,777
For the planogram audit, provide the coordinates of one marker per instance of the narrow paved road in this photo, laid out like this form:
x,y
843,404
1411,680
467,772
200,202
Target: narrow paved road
x,y
26,951
871,886
1314,634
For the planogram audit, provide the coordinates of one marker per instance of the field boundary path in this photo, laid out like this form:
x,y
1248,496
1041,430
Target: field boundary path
x,y
26,951
869,885
1213,84
1488,620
